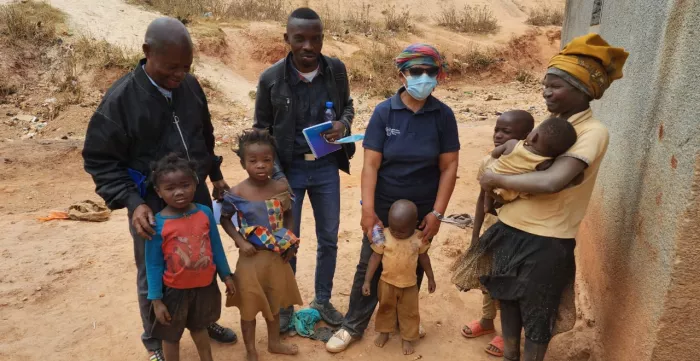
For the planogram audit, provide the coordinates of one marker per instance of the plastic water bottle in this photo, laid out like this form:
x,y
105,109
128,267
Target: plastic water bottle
x,y
329,115
378,235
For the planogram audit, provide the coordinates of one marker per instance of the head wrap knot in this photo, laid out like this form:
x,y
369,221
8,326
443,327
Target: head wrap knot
x,y
589,63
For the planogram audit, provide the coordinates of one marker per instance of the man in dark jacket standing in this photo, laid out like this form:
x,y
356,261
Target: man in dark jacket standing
x,y
292,95
157,109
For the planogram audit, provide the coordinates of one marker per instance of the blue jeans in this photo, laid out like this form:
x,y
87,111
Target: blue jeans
x,y
321,180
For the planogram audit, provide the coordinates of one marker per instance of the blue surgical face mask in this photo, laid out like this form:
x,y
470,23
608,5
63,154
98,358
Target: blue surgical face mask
x,y
420,87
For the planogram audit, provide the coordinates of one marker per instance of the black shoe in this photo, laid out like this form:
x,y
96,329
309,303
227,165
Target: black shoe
x,y
156,355
328,313
221,334
286,318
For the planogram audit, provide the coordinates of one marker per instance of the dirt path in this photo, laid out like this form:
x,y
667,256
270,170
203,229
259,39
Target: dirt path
x,y
67,289
70,288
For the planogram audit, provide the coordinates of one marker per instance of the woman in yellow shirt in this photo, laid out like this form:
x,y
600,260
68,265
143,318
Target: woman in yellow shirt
x,y
533,243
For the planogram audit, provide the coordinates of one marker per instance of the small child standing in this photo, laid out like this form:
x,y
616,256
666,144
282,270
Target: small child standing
x,y
399,256
514,124
263,275
182,260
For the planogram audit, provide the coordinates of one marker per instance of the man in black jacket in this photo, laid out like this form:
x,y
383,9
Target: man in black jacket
x,y
292,95
157,109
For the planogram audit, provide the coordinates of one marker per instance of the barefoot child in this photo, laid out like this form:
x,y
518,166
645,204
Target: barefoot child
x,y
514,124
263,275
399,255
182,260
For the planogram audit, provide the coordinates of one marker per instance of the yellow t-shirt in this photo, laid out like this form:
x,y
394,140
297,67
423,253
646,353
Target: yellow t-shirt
x,y
489,219
559,215
519,161
400,258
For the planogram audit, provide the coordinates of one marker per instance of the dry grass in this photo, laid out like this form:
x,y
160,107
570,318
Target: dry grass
x,y
31,21
276,10
545,16
473,59
6,89
211,40
375,70
184,10
100,54
103,61
524,76
191,10
397,22
358,20
471,19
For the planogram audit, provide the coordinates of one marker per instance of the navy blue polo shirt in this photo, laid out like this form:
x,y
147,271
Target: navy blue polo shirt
x,y
411,145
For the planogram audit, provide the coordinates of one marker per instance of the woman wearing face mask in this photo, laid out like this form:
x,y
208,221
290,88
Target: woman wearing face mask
x,y
411,152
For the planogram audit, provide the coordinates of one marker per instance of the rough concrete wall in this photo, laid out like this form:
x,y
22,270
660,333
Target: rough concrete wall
x,y
639,248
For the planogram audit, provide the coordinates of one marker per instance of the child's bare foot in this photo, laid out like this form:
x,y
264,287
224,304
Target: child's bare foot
x,y
282,349
381,340
251,356
408,348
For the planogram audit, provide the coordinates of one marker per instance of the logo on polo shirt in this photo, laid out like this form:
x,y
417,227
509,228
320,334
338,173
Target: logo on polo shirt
x,y
391,131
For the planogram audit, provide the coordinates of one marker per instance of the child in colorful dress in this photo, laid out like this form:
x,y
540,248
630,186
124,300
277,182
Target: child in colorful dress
x,y
182,260
263,276
399,254
514,124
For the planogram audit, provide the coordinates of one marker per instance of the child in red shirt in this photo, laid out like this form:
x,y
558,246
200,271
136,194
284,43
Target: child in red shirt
x,y
182,260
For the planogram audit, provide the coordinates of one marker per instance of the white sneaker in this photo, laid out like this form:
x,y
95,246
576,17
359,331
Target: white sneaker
x,y
421,331
339,342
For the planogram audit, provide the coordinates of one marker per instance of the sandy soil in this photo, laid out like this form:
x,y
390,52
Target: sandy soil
x,y
78,301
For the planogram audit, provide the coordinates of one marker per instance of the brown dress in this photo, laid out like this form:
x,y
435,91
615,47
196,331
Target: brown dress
x,y
264,282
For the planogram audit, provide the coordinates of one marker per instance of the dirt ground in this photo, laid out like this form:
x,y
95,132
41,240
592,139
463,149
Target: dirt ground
x,y
67,289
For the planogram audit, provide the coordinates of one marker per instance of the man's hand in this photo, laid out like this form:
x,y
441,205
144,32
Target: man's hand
x,y
143,221
162,314
230,287
248,250
369,220
431,286
220,187
337,132
430,226
366,289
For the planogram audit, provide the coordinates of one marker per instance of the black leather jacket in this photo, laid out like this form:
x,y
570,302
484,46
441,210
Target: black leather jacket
x,y
274,107
134,126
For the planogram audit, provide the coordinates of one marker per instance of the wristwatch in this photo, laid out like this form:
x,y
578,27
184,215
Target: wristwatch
x,y
437,215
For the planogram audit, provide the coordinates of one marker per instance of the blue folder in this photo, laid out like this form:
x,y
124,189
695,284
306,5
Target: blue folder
x,y
320,147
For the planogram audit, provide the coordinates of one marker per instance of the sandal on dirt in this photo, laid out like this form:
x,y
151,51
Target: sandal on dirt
x,y
498,344
460,220
476,330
